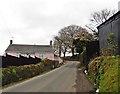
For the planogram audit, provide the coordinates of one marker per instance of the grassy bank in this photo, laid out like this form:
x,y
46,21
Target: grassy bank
x,y
104,72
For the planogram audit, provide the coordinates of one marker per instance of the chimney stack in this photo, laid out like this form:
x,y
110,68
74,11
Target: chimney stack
x,y
11,42
51,43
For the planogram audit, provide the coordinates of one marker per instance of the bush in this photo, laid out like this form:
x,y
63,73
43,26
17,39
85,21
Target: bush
x,y
106,52
17,73
103,71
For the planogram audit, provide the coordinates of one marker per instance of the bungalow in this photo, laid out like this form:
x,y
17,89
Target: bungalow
x,y
112,25
40,51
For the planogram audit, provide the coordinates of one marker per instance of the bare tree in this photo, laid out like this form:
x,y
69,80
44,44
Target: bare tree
x,y
101,16
98,18
63,37
57,45
70,32
67,35
60,43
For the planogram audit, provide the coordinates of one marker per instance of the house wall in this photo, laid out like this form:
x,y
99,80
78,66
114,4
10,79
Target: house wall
x,y
44,55
49,56
111,26
41,55
57,58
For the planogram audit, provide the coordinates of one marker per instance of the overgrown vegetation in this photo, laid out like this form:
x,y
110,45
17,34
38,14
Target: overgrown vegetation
x,y
111,50
17,73
104,73
112,43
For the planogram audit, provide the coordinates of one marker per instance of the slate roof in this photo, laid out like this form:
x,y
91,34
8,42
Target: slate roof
x,y
30,49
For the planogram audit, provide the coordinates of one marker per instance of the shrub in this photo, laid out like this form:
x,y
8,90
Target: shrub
x,y
106,52
16,73
112,43
103,71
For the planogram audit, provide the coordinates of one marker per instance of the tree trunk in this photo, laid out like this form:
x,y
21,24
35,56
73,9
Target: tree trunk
x,y
72,49
60,51
64,52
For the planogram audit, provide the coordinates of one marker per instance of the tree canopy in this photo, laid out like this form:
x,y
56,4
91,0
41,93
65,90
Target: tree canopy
x,y
66,36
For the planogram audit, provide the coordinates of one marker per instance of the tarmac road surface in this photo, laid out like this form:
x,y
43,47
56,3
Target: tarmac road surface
x,y
61,79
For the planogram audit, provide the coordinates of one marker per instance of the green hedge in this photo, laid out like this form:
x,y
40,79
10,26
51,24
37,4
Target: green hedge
x,y
103,72
17,73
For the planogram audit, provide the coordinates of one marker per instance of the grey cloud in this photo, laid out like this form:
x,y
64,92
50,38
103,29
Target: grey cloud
x,y
34,16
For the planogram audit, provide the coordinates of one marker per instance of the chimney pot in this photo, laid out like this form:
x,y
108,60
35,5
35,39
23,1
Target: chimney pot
x,y
51,43
11,41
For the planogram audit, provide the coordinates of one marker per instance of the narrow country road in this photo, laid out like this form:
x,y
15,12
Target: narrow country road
x,y
59,80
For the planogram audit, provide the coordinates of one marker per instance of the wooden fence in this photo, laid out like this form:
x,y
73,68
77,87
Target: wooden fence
x,y
18,61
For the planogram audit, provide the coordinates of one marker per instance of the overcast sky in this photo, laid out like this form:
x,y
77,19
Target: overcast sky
x,y
37,21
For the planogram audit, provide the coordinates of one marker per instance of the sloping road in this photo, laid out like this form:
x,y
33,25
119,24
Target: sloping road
x,y
59,80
